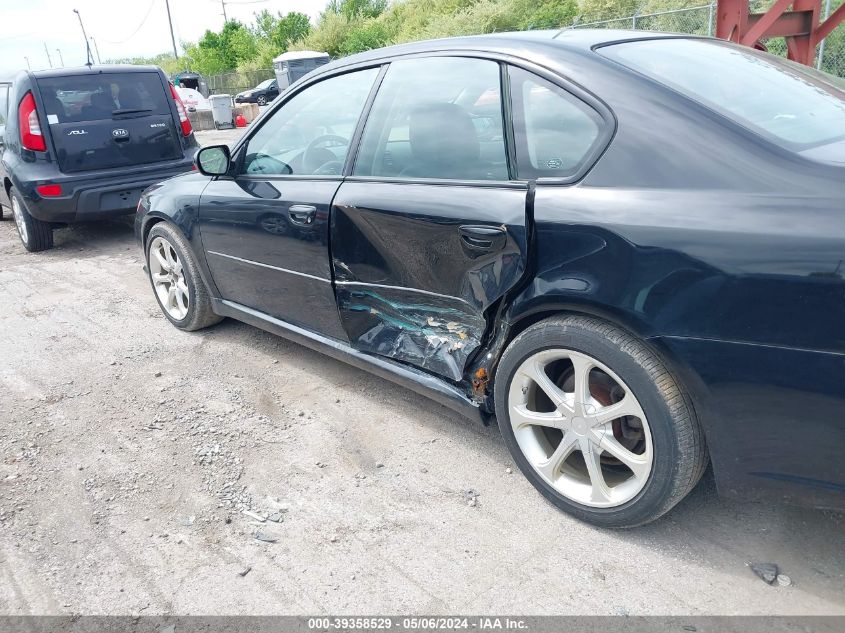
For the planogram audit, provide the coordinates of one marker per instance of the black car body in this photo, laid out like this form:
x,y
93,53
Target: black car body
x,y
83,143
262,94
676,229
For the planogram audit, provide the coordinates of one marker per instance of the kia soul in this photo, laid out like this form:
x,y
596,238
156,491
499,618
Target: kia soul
x,y
82,144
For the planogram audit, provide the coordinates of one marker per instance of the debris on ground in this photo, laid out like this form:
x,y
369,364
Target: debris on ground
x,y
265,538
767,572
244,572
253,515
471,497
276,517
784,580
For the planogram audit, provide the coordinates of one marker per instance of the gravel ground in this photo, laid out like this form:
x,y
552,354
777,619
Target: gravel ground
x,y
129,451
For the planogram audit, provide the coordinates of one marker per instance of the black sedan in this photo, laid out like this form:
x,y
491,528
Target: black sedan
x,y
626,248
262,94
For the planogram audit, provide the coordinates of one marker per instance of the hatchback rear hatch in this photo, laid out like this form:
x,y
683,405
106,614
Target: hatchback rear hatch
x,y
110,119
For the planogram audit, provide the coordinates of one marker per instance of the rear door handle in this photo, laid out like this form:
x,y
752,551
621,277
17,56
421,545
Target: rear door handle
x,y
302,213
477,240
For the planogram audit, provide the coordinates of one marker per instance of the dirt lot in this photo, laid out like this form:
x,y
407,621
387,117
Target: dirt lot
x,y
128,451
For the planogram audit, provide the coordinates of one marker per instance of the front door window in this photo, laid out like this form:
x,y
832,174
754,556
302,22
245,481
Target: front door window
x,y
310,134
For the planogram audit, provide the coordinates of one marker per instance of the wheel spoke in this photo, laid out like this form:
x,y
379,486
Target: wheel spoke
x,y
171,297
582,367
551,467
161,259
627,406
600,492
160,278
181,298
639,464
536,370
521,416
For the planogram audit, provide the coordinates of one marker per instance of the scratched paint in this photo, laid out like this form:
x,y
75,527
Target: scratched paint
x,y
433,334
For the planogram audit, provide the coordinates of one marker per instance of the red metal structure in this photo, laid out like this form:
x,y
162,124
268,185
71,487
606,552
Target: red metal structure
x,y
799,21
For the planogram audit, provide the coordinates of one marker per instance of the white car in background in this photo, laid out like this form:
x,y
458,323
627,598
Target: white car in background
x,y
193,99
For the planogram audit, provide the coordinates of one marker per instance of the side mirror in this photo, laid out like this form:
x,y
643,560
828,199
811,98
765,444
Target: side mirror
x,y
213,160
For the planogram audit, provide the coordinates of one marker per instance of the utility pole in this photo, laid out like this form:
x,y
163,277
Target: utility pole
x,y
223,4
61,59
88,61
49,61
27,62
96,49
170,20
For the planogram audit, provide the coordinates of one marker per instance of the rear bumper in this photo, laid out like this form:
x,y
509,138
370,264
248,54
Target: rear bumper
x,y
91,197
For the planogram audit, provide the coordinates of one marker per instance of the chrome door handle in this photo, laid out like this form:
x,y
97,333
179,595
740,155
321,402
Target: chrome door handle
x,y
302,213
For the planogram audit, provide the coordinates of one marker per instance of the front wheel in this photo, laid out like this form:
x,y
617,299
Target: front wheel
x,y
175,278
596,422
262,100
35,234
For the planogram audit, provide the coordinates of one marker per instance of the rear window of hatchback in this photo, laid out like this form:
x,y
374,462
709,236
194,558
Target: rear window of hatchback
x,y
77,98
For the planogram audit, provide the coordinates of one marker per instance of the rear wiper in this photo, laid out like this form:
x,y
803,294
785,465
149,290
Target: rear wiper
x,y
130,111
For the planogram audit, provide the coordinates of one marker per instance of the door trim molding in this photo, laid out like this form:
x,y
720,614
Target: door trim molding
x,y
284,270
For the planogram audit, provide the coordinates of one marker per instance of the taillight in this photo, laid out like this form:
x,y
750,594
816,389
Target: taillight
x,y
31,136
49,191
183,115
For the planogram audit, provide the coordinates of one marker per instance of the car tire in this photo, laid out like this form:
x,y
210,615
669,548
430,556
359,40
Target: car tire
x,y
654,454
176,281
35,234
262,100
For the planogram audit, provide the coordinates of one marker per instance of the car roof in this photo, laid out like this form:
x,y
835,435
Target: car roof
x,y
93,70
570,40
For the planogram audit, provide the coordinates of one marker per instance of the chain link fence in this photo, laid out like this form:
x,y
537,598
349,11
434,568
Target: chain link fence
x,y
701,20
235,82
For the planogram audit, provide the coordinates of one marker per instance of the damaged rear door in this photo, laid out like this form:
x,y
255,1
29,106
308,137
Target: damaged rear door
x,y
429,230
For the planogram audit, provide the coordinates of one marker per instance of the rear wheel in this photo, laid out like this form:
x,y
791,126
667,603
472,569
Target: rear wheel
x,y
35,234
176,281
262,100
597,423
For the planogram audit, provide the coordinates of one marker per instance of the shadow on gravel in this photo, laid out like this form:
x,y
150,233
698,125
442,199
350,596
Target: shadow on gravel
x,y
99,235
808,545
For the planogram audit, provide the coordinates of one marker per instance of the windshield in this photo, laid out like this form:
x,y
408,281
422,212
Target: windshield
x,y
795,106
264,84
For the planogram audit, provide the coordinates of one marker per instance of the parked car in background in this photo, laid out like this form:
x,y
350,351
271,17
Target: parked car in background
x,y
81,144
262,94
625,247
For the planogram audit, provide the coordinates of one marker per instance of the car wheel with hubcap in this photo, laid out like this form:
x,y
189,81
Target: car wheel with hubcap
x,y
35,234
176,282
262,100
597,423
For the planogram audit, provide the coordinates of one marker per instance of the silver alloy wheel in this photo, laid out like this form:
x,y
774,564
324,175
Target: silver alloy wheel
x,y
19,220
580,427
168,278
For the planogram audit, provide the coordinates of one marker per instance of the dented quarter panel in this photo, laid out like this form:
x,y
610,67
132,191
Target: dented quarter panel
x,y
406,286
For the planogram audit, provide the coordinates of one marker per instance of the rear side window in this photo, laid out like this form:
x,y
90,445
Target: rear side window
x,y
439,118
790,104
78,98
554,131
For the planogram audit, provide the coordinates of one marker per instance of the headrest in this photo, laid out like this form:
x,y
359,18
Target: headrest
x,y
442,137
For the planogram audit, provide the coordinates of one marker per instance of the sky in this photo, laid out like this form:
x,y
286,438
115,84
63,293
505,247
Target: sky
x,y
121,28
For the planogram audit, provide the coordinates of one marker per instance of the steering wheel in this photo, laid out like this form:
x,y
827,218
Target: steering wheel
x,y
316,159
